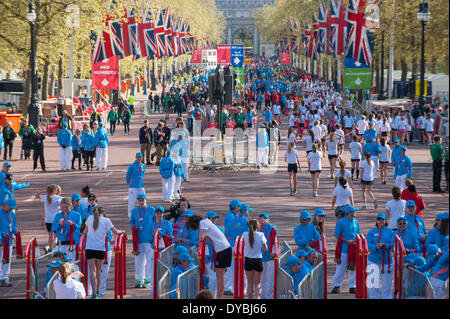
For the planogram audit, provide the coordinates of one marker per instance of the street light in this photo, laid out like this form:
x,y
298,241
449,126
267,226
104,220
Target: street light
x,y
423,15
33,108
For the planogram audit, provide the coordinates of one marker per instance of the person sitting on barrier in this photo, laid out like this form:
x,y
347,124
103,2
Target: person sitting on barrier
x,y
430,239
270,232
305,232
58,258
416,225
141,221
380,241
439,234
186,263
345,232
175,214
312,260
187,236
410,241
178,250
292,267
65,286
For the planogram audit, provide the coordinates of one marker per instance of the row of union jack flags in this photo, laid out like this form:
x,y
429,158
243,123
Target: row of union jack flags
x,y
152,37
339,28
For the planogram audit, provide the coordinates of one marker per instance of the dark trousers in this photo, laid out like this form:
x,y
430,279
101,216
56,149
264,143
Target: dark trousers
x,y
89,158
126,125
437,171
132,109
112,127
75,155
447,172
38,154
8,145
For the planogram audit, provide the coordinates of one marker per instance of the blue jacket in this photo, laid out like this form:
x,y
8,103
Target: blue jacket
x,y
348,229
435,237
88,142
403,166
297,279
7,226
135,175
178,270
101,138
166,167
143,219
267,116
267,230
410,240
7,192
262,139
164,226
373,148
63,232
305,269
64,137
370,134
227,223
418,230
238,226
396,153
304,235
190,234
440,270
1,141
178,169
385,236
75,144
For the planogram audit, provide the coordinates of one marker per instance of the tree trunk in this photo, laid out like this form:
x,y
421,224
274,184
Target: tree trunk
x,y
60,74
433,64
51,87
26,94
44,91
414,66
376,74
404,68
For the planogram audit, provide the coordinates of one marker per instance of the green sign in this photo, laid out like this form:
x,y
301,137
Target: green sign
x,y
357,78
240,81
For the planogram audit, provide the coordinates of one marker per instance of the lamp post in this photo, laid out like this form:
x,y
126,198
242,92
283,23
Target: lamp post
x,y
33,108
423,15
381,94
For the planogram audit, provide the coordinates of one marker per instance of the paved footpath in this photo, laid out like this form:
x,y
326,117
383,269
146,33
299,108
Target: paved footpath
x,y
206,191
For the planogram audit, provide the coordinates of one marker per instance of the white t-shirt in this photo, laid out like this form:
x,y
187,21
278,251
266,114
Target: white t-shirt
x,y
332,146
367,174
323,130
309,143
383,127
256,251
72,289
347,174
51,209
384,156
342,195
95,239
429,125
362,125
348,123
292,120
340,135
317,132
291,138
276,109
396,209
315,158
291,157
220,242
401,124
355,150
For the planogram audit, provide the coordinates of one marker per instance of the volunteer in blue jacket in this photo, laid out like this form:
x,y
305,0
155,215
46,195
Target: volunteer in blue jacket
x,y
292,267
62,224
7,227
380,241
410,239
187,236
166,169
186,263
270,232
403,168
262,144
64,138
233,212
76,148
440,234
395,153
9,188
347,227
82,211
5,171
178,174
142,217
370,134
416,225
312,260
101,151
305,232
135,180
88,144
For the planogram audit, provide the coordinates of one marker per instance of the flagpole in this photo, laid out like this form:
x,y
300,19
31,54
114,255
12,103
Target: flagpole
x,y
391,54
329,69
338,76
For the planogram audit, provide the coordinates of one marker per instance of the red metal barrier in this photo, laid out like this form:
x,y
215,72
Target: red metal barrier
x,y
362,253
275,267
30,257
83,262
120,250
201,256
241,268
324,259
399,254
156,239
237,266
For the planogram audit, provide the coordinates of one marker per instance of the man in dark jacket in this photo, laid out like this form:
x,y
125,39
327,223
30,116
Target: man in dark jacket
x,y
38,149
159,141
146,140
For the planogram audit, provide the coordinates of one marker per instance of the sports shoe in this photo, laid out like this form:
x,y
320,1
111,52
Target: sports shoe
x,y
352,291
228,293
140,284
364,207
94,296
295,191
146,284
314,194
336,290
292,192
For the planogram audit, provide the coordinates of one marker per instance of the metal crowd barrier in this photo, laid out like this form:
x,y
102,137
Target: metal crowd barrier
x,y
285,283
163,272
188,283
304,290
318,288
416,285
49,289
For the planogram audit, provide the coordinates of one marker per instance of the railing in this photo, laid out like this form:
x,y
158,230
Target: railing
x,y
304,288
83,262
188,283
275,267
238,256
318,288
202,262
49,289
362,252
399,254
416,285
285,283
164,280
30,257
120,285
156,238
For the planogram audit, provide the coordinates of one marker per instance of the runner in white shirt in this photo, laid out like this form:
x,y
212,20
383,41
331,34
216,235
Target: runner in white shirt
x,y
383,129
384,159
332,142
66,287
421,126
276,112
362,126
342,171
429,122
355,155
341,137
395,208
342,196
292,159
51,198
367,176
315,167
348,123
308,141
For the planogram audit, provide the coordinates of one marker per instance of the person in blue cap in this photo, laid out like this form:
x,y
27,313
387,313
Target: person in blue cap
x,y
410,239
135,180
430,239
177,252
395,153
101,150
186,236
380,241
416,225
375,150
270,232
319,221
439,234
262,144
234,208
186,263
178,171
347,227
305,232
88,145
5,171
9,188
166,169
7,227
370,134
62,224
312,260
142,219
76,149
403,168
64,138
292,267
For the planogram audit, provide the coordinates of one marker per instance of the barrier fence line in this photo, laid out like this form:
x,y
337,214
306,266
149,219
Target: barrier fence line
x,y
275,267
120,284
361,266
83,262
155,262
399,254
201,256
30,256
324,258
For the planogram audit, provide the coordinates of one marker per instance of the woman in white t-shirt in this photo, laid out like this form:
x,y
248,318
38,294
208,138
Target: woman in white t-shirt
x,y
308,142
342,196
355,148
367,176
401,129
65,286
292,159
332,149
96,229
51,198
429,122
291,136
315,167
344,173
254,243
384,159
383,128
395,208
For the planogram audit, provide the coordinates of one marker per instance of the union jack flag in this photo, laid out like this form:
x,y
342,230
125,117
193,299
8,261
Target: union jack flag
x,y
175,36
131,34
315,40
147,39
359,43
116,38
323,28
183,46
160,35
338,27
98,48
189,38
295,43
168,34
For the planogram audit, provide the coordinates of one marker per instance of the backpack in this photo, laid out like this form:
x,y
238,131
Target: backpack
x,y
198,114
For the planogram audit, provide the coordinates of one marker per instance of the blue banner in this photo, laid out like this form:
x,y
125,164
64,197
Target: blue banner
x,y
237,55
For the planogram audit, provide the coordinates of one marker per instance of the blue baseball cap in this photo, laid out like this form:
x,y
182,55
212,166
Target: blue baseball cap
x,y
265,215
11,203
401,218
100,124
292,260
180,250
188,213
55,264
349,208
76,197
403,148
142,196
211,214
138,154
305,214
419,261
381,215
234,203
432,249
396,140
159,208
301,253
245,207
444,216
410,203
185,256
6,164
319,212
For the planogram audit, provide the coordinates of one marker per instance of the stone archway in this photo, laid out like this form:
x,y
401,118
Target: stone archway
x,y
243,36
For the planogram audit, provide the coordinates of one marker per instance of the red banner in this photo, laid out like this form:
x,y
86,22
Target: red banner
x,y
285,58
197,56
105,74
223,54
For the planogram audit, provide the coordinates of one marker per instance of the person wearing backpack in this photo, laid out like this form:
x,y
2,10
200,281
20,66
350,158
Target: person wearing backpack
x,y
198,117
166,169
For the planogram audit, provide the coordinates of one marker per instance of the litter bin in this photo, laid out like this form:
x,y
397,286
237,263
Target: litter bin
x,y
13,118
